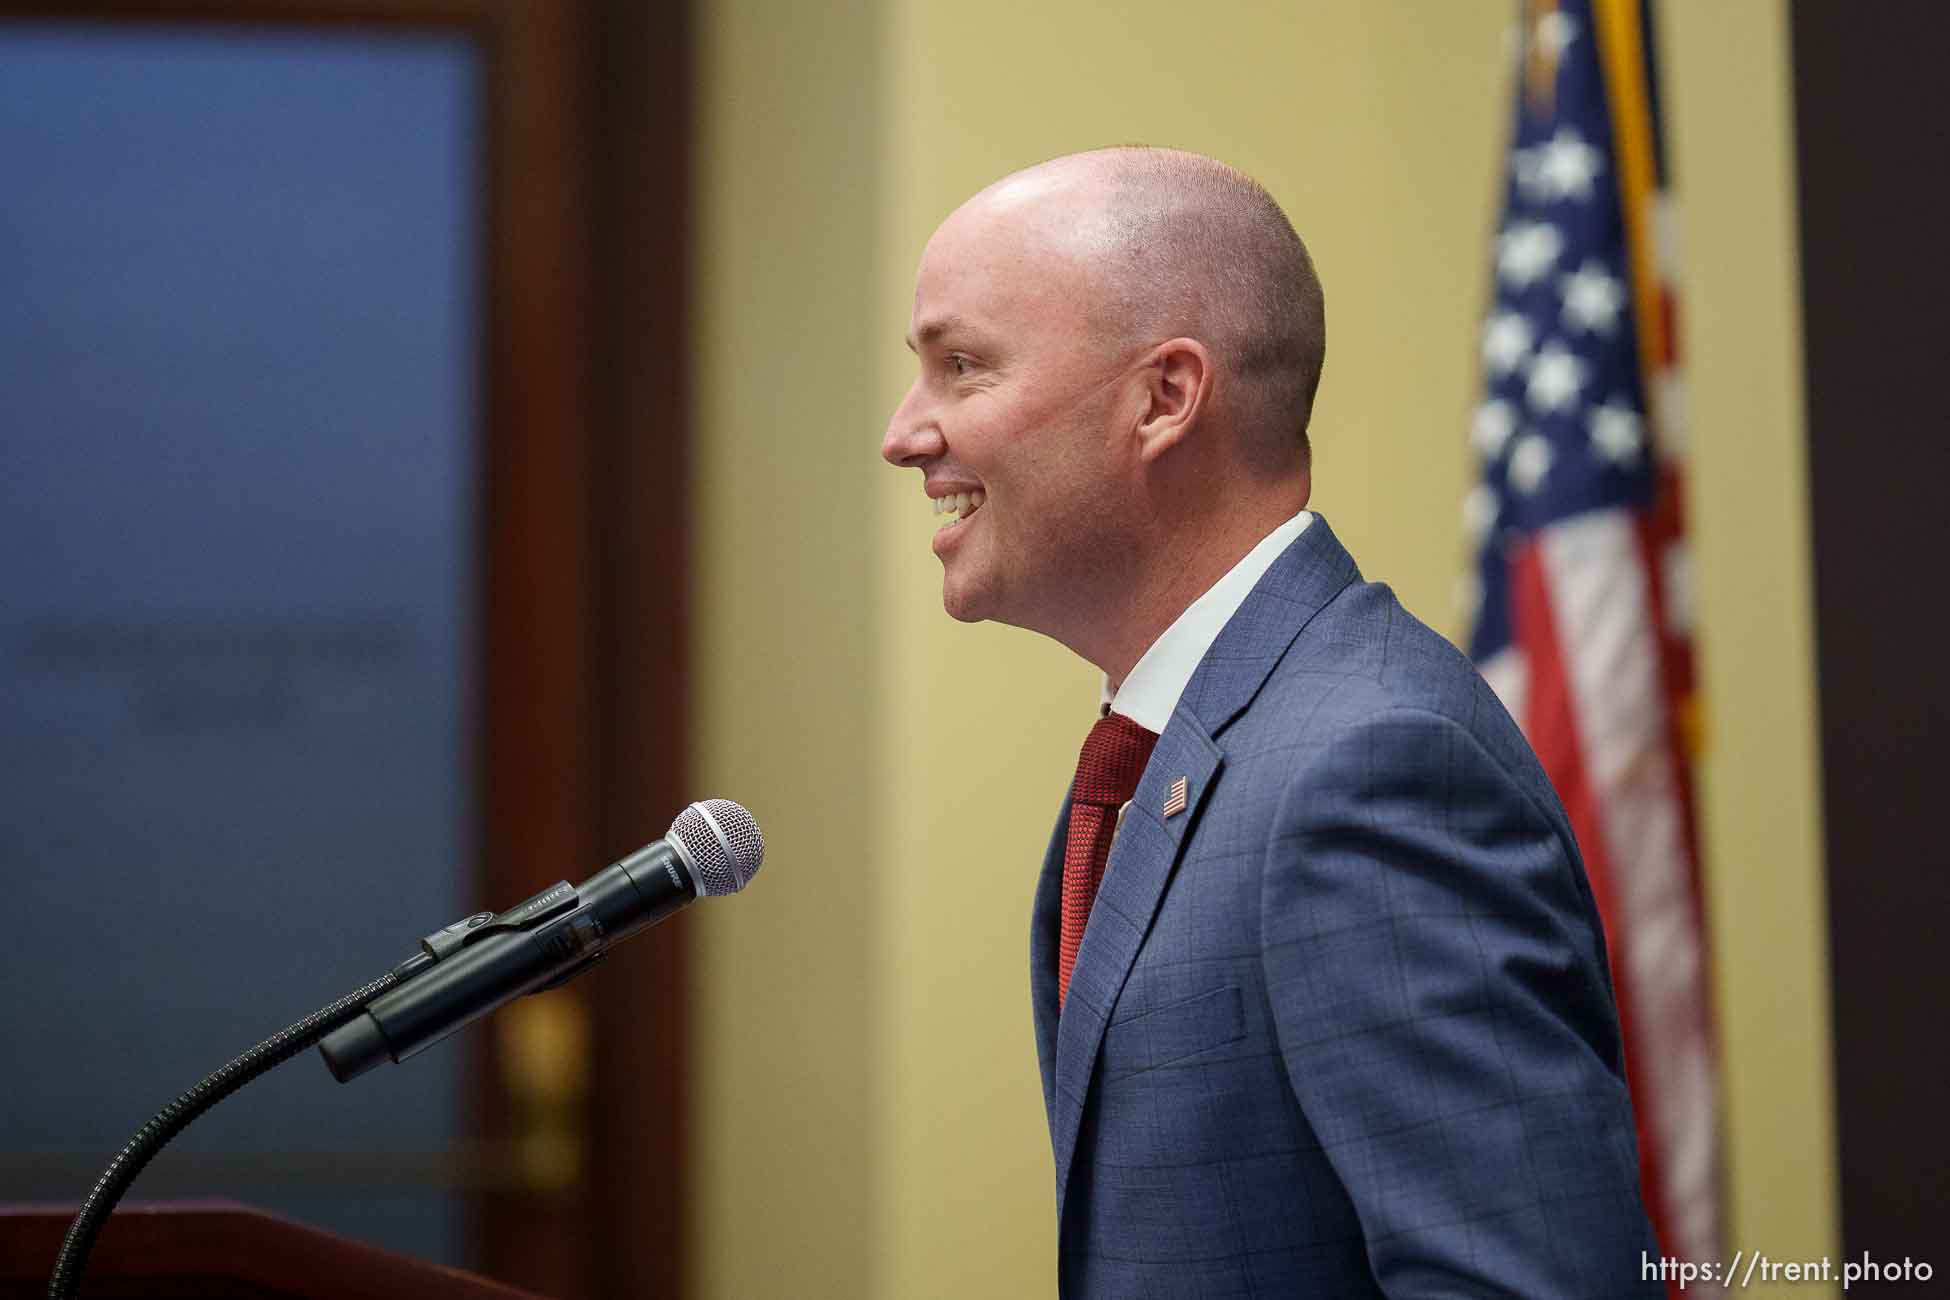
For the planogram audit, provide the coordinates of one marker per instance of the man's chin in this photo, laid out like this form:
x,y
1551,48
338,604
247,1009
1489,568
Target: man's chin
x,y
965,600
960,605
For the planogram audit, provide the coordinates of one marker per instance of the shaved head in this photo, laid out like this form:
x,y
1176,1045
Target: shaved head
x,y
1175,243
1116,357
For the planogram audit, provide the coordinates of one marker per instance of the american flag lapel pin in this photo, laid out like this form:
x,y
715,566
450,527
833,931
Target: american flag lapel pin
x,y
1175,801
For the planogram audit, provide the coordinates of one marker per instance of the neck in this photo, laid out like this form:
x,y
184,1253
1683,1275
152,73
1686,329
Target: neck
x,y
1186,559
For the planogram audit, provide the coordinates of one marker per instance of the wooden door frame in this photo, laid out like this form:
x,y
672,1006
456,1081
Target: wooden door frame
x,y
582,570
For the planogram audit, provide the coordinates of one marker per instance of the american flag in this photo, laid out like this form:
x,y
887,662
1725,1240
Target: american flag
x,y
1580,594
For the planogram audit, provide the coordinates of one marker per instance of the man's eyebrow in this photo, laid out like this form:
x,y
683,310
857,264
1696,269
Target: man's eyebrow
x,y
931,331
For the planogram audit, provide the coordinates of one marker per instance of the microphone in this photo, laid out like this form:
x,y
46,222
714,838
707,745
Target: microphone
x,y
483,962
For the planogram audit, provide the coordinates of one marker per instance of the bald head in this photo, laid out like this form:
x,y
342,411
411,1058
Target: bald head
x,y
1116,360
1168,243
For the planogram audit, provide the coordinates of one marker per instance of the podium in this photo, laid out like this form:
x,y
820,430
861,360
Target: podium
x,y
220,1250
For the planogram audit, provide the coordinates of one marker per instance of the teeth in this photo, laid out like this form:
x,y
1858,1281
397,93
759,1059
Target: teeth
x,y
958,504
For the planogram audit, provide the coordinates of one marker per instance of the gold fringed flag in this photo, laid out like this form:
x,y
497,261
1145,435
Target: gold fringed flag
x,y
1582,602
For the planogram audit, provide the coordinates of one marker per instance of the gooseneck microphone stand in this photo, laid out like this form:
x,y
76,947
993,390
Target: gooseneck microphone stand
x,y
172,1119
459,974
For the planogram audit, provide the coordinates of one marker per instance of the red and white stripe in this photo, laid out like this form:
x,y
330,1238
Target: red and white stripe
x,y
1586,677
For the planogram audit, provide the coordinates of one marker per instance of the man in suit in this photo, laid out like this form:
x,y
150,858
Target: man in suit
x,y
1320,991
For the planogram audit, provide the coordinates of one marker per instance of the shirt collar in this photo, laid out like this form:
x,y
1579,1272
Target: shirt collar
x,y
1151,692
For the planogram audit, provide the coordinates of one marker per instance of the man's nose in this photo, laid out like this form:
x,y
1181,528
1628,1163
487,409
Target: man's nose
x,y
912,437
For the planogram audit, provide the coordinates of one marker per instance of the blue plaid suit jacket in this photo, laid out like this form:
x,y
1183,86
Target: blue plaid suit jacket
x,y
1343,1026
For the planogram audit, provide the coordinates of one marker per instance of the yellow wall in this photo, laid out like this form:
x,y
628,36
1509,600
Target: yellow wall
x,y
1733,148
871,1121
786,644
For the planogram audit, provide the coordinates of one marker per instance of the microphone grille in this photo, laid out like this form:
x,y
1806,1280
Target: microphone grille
x,y
721,842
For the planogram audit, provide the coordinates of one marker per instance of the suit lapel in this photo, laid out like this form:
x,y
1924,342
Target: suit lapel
x,y
1303,579
1141,861
1149,844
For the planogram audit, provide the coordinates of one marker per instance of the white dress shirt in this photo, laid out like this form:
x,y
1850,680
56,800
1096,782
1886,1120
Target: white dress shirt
x,y
1151,692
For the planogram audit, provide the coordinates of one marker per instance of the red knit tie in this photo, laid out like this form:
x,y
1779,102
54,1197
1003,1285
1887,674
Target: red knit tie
x,y
1113,758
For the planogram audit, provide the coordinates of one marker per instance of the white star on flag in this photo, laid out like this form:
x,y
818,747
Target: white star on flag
x,y
1617,432
1530,462
1524,252
1506,342
1495,422
1592,298
1555,378
1568,166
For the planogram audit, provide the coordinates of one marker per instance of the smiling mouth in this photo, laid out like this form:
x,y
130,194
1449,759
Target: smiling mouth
x,y
959,506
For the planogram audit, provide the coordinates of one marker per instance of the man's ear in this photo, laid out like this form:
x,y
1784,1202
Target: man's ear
x,y
1178,382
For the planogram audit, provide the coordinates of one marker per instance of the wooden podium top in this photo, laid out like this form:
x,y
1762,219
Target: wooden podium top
x,y
220,1250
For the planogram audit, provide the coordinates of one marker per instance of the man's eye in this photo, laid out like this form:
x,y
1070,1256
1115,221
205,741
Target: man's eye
x,y
957,363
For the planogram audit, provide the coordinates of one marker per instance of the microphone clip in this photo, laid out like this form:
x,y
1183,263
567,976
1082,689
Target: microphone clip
x,y
443,943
